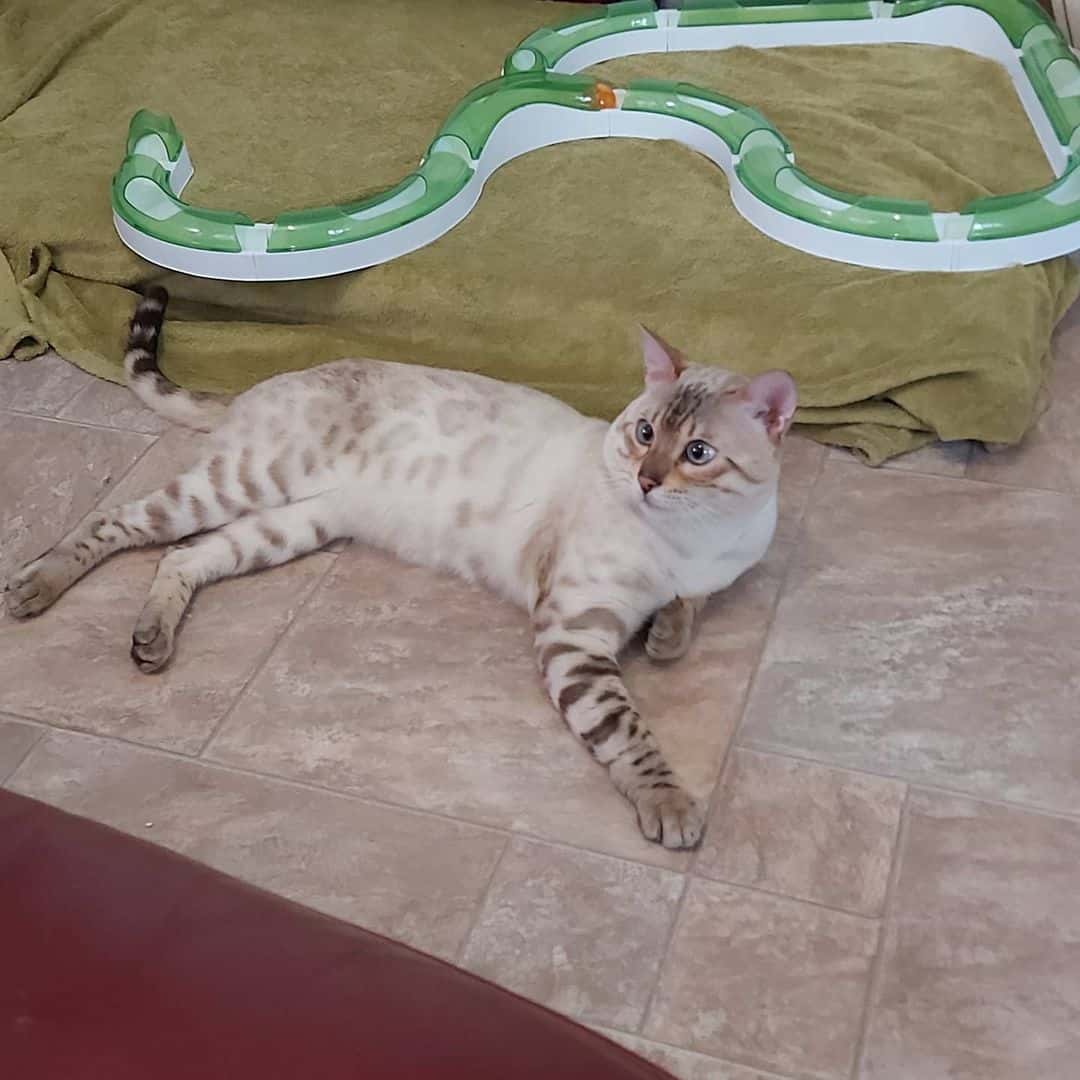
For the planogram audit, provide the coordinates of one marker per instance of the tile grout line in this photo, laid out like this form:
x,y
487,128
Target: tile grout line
x,y
714,795
111,485
759,891
676,917
312,786
67,401
765,1074
82,389
777,750
273,647
378,801
1000,485
744,701
877,965
18,764
459,953
87,424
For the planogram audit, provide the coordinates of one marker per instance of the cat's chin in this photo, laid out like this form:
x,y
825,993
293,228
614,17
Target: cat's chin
x,y
658,503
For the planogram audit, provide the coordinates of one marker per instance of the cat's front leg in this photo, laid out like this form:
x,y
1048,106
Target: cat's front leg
x,y
672,629
577,656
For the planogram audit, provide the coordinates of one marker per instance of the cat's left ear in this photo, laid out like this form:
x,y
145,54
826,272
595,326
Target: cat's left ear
x,y
771,398
663,363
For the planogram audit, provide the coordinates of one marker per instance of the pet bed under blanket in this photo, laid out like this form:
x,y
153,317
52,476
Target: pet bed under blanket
x,y
289,105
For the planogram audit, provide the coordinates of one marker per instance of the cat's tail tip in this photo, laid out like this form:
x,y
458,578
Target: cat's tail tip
x,y
145,379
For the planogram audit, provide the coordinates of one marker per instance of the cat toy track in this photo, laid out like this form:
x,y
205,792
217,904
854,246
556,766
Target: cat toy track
x,y
539,101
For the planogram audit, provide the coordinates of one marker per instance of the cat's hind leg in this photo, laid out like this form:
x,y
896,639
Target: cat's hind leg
x,y
265,538
197,500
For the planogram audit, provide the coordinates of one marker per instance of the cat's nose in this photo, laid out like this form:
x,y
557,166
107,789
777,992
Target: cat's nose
x,y
647,482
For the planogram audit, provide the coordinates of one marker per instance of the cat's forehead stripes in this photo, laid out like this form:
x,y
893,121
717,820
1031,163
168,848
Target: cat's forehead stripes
x,y
684,404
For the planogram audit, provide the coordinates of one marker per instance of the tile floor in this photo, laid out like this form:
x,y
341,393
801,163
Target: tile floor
x,y
883,714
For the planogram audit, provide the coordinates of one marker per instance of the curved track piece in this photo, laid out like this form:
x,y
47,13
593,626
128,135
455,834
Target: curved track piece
x,y
538,101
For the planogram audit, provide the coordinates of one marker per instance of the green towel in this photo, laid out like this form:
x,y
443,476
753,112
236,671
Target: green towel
x,y
287,105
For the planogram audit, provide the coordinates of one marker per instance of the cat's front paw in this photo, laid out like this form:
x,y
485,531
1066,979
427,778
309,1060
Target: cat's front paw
x,y
672,631
670,816
666,641
151,642
33,588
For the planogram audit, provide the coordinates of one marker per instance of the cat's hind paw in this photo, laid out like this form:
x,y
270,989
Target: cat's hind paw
x,y
669,816
33,589
151,642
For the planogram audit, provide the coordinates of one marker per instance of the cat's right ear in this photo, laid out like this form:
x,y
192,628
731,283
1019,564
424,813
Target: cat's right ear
x,y
663,363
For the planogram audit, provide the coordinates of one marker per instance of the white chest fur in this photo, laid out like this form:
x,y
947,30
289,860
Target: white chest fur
x,y
709,557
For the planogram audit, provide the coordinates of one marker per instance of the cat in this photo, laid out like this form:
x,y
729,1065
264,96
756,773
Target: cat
x,y
594,528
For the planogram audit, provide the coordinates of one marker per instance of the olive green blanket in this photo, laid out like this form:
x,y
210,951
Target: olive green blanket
x,y
287,105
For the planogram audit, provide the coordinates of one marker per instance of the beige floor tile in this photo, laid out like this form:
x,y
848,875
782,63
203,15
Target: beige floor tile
x,y
684,1064
803,830
981,974
15,742
375,691
937,459
800,468
1049,456
581,933
70,666
930,630
43,385
175,450
412,877
51,474
769,982
111,405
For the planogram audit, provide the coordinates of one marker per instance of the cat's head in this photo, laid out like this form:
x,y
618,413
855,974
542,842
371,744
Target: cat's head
x,y
699,437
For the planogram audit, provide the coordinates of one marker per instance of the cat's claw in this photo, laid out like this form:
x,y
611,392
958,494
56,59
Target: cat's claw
x,y
30,591
670,816
151,643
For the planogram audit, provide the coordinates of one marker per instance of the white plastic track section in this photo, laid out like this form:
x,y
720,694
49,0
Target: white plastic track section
x,y
1017,250
844,247
152,146
148,198
519,132
704,103
413,191
628,43
656,126
254,238
957,27
921,256
535,126
575,28
221,266
180,172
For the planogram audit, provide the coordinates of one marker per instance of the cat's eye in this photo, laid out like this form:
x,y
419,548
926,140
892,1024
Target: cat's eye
x,y
644,432
698,452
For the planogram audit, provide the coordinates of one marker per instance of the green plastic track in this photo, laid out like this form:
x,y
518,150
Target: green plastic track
x,y
145,194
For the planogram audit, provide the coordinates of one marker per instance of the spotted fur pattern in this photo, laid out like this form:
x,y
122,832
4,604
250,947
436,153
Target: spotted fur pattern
x,y
591,530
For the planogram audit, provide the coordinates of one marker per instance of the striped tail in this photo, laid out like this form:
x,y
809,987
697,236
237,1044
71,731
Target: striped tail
x,y
144,378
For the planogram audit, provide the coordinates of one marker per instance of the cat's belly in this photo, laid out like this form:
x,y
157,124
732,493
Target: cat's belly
x,y
459,535
467,502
